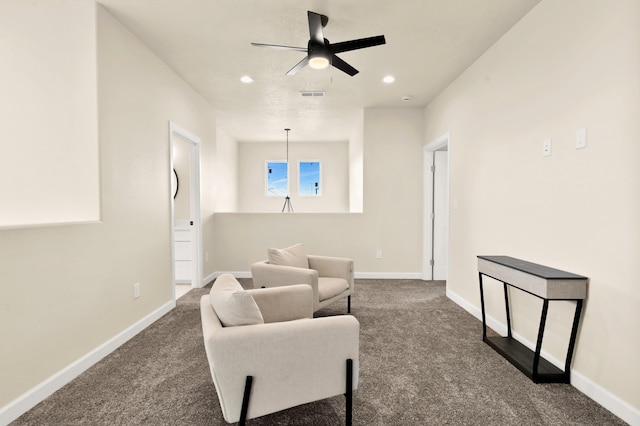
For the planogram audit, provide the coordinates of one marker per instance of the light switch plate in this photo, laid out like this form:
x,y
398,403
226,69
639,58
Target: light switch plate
x,y
581,138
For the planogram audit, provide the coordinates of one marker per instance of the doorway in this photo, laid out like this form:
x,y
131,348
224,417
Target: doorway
x,y
436,157
186,223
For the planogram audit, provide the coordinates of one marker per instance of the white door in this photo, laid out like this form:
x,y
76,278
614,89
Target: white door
x,y
441,216
436,208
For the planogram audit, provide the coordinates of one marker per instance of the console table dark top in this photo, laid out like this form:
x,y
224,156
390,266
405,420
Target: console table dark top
x,y
533,268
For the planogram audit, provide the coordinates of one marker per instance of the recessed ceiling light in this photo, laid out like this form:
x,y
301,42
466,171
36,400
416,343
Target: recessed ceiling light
x,y
389,79
406,98
246,79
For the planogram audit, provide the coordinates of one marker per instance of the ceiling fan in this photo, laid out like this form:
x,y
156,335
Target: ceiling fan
x,y
321,53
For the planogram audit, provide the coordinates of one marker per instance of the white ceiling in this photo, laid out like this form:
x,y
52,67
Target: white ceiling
x,y
207,42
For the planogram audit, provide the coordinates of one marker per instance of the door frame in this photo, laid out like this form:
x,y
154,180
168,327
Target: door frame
x,y
194,203
427,155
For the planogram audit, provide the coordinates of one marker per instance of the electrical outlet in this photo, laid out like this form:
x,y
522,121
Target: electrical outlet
x,y
546,147
378,254
136,290
206,256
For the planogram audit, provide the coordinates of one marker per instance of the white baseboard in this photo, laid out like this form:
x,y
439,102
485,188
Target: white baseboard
x,y
602,396
206,280
237,274
476,312
37,394
359,275
389,275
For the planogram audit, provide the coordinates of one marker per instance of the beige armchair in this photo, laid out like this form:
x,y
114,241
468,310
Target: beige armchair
x,y
330,278
266,353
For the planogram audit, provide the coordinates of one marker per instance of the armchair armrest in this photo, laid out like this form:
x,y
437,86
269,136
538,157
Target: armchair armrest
x,y
311,368
284,303
267,275
327,266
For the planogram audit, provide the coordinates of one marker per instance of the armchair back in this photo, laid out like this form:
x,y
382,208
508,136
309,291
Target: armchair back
x,y
330,278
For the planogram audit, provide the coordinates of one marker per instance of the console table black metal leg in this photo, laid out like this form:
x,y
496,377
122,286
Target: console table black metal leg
x,y
536,356
484,319
506,305
572,341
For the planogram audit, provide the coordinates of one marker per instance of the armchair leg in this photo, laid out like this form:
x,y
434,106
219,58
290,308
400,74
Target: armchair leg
x,y
245,400
349,304
349,393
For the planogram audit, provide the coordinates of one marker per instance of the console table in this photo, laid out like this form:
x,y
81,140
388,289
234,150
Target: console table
x,y
545,283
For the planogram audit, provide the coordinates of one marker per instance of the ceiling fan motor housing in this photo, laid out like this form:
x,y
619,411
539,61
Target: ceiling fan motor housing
x,y
319,54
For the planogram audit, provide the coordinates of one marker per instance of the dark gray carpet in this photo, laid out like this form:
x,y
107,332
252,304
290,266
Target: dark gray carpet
x,y
422,362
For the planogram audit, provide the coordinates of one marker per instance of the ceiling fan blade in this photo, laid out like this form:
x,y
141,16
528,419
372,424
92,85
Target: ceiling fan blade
x,y
277,46
315,27
343,66
324,19
361,43
298,66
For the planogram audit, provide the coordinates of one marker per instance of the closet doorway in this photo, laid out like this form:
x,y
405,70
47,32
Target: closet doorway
x,y
186,223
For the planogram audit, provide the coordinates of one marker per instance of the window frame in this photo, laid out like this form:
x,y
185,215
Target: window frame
x,y
266,179
300,175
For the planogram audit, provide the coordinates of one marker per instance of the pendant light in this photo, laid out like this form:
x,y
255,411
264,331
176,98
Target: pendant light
x,y
287,200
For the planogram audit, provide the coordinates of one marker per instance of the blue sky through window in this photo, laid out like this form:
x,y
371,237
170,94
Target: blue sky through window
x,y
277,179
309,178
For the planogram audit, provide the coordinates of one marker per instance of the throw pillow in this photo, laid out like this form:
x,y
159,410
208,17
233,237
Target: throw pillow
x,y
296,255
233,305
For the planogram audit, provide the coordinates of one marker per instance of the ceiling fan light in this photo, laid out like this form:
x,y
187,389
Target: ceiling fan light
x,y
318,62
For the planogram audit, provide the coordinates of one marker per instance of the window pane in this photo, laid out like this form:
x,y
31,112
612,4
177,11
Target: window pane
x,y
309,178
277,179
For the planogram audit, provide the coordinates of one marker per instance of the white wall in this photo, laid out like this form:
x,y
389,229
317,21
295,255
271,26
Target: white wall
x,y
49,111
566,65
67,290
356,168
391,222
334,157
226,173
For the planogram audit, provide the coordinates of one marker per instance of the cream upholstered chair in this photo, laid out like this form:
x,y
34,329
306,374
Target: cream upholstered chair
x,y
267,353
330,278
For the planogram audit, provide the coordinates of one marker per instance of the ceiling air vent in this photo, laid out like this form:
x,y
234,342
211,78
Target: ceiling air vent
x,y
312,94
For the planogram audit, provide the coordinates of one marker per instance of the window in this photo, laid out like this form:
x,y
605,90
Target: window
x,y
277,179
309,179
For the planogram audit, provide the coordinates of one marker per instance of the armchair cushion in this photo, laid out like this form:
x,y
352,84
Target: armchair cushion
x,y
296,255
331,287
232,303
